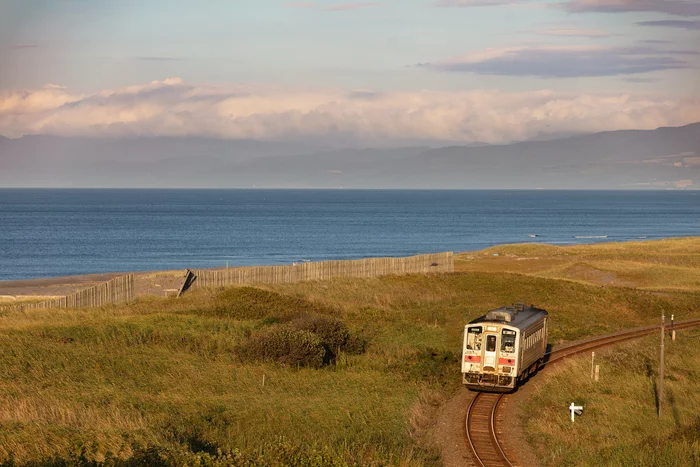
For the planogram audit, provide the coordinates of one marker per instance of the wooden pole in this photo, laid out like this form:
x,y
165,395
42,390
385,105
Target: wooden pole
x,y
661,363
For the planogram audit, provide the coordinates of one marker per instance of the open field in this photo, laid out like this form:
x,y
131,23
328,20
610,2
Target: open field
x,y
619,425
672,264
165,377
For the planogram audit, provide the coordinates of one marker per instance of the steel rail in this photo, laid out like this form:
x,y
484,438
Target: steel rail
x,y
483,440
494,436
596,342
554,355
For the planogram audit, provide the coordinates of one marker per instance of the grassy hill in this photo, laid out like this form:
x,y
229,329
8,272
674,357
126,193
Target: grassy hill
x,y
180,381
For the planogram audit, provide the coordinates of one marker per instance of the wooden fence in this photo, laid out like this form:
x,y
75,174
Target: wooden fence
x,y
371,267
119,289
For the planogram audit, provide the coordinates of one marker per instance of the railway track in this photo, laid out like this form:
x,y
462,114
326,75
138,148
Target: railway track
x,y
482,414
481,430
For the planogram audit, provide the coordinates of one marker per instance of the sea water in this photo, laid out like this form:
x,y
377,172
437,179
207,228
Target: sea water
x,y
50,232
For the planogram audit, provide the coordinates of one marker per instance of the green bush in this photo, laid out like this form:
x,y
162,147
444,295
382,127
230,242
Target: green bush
x,y
286,346
334,334
355,345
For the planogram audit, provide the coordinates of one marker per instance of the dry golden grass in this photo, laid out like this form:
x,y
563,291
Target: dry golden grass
x,y
671,264
619,426
163,371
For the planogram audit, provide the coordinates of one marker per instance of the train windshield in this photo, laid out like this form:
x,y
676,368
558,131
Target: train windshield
x,y
474,338
508,341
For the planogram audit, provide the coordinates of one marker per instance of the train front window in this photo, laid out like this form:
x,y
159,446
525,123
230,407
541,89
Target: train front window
x,y
474,338
508,341
490,343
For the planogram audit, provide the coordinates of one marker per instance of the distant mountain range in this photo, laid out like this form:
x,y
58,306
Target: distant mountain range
x,y
627,159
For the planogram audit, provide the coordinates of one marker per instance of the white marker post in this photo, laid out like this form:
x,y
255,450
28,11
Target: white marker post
x,y
575,410
673,331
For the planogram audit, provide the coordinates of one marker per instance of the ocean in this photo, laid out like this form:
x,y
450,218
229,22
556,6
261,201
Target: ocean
x,y
52,232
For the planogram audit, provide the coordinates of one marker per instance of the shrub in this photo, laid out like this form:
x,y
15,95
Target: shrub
x,y
355,345
333,332
286,346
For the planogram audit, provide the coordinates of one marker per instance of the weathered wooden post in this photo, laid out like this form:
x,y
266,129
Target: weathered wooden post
x,y
661,363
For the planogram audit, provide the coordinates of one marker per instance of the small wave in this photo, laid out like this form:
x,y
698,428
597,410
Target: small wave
x,y
532,235
590,236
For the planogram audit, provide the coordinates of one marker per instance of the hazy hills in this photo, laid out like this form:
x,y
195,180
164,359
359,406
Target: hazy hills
x,y
661,158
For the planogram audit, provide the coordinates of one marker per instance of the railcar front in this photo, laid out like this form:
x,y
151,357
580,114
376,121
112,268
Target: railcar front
x,y
501,346
490,356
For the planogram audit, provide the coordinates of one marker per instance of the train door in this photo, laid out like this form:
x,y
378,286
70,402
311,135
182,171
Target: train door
x,y
490,352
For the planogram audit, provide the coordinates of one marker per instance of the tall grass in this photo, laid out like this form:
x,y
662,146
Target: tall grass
x,y
619,425
161,375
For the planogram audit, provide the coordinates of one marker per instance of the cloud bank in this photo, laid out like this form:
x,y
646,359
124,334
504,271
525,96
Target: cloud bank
x,y
672,23
333,7
573,32
175,108
472,3
670,7
564,61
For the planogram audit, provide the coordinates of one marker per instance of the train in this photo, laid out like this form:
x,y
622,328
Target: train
x,y
504,347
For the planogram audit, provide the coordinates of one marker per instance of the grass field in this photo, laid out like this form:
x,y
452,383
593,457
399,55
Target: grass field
x,y
619,425
164,378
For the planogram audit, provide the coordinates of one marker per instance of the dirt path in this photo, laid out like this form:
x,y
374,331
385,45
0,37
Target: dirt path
x,y
449,430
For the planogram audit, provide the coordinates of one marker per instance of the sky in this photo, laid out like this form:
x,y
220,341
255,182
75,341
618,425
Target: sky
x,y
378,72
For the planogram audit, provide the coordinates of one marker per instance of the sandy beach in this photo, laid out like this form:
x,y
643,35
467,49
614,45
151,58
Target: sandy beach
x,y
146,283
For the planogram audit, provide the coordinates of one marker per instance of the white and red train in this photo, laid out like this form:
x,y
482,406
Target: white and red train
x,y
503,347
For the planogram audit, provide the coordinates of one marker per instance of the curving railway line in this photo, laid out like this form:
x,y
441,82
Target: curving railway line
x,y
483,412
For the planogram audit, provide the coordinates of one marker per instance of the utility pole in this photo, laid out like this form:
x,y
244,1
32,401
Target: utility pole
x,y
661,364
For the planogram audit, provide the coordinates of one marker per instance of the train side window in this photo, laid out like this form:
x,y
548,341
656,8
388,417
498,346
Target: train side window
x,y
474,338
490,343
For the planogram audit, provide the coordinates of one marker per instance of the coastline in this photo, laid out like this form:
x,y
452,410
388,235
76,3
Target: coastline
x,y
162,282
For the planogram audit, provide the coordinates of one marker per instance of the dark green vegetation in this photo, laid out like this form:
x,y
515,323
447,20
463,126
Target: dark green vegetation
x,y
181,380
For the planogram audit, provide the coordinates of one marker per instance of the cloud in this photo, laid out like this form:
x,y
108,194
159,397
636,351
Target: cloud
x,y
671,7
24,46
472,3
573,32
641,80
336,7
231,111
351,6
563,61
161,59
672,23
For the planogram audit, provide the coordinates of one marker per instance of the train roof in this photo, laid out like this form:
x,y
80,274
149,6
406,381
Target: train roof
x,y
518,315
